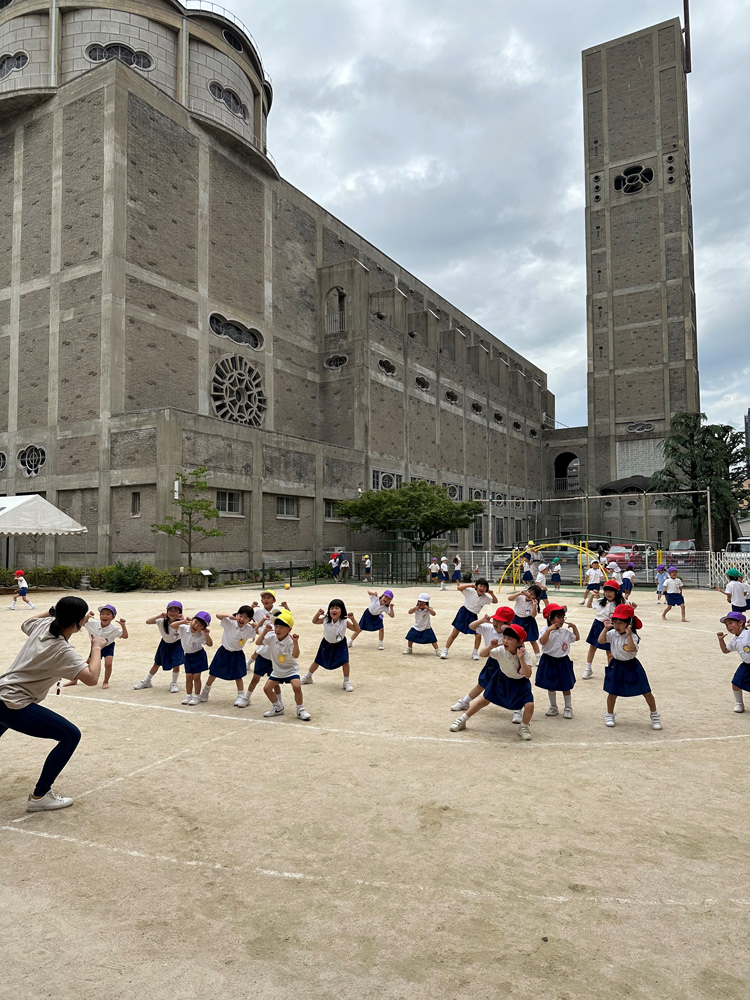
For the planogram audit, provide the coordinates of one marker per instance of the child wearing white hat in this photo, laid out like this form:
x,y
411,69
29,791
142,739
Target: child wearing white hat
x,y
541,581
421,631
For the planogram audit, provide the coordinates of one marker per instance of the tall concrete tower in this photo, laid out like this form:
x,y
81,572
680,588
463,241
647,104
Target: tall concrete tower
x,y
642,345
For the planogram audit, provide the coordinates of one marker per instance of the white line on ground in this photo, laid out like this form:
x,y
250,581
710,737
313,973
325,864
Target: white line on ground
x,y
459,741
139,770
392,886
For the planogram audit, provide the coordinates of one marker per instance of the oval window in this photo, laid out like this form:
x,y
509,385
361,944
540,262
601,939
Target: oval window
x,y
477,407
336,361
386,367
498,417
451,396
422,383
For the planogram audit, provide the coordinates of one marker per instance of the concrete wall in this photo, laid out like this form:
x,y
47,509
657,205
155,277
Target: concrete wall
x,y
29,34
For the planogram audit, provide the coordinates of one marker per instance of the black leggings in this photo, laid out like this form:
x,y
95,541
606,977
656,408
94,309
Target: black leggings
x,y
34,720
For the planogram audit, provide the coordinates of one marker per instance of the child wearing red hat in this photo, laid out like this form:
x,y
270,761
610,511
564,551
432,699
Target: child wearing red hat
x,y
23,589
624,676
555,671
509,685
488,628
606,605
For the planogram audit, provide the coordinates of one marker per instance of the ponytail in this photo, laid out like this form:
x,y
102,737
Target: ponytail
x,y
68,611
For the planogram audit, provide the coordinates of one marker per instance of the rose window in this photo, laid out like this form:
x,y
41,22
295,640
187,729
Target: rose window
x,y
237,392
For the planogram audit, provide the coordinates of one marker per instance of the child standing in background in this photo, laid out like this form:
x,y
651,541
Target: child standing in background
x,y
444,573
593,582
628,581
434,571
476,596
421,631
736,591
673,591
169,654
660,579
739,643
541,582
23,589
367,563
556,574
457,568
372,616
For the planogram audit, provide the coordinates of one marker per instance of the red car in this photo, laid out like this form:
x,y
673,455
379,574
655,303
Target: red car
x,y
624,554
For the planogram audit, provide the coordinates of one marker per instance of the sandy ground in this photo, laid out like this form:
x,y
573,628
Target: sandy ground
x,y
373,853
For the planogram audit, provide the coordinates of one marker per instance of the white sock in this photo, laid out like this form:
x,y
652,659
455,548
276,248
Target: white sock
x,y
654,714
467,698
568,700
738,697
552,698
308,674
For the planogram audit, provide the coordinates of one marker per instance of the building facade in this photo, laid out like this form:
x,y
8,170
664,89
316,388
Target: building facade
x,y
168,301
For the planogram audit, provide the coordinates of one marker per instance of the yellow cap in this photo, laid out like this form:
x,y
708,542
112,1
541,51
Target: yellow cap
x,y
285,617
365,557
271,592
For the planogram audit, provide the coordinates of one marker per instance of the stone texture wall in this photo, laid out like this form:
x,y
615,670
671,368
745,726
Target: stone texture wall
x,y
29,34
207,65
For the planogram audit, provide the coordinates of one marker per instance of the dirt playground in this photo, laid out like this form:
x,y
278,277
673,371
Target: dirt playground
x,y
370,852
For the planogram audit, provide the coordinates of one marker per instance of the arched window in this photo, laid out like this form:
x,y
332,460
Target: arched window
x,y
335,310
567,467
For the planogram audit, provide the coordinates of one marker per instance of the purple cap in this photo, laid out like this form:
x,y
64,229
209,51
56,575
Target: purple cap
x,y
672,569
109,607
204,616
733,616
631,565
388,593
174,604
660,568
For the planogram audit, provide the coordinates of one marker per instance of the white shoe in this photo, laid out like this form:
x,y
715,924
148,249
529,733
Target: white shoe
x,y
582,602
567,713
174,688
444,655
458,724
552,710
587,672
516,720
11,607
205,692
145,683
437,652
349,643
524,732
186,700
194,699
302,713
307,679
461,705
408,652
31,606
655,720
381,646
474,654
241,700
49,801
275,709
609,719
347,685
739,706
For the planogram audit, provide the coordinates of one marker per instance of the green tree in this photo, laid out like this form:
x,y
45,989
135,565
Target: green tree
x,y
419,511
700,456
196,510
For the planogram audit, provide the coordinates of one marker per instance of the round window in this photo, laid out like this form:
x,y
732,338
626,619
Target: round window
x,y
237,392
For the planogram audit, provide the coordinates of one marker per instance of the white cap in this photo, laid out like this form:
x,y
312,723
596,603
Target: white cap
x,y
542,566
424,597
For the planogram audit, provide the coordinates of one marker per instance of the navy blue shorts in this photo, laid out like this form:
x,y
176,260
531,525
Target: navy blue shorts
x,y
262,666
675,600
197,662
23,591
284,680
556,578
108,650
456,575
593,587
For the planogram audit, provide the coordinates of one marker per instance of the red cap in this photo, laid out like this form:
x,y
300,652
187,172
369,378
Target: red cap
x,y
612,584
519,632
18,572
626,611
505,615
552,607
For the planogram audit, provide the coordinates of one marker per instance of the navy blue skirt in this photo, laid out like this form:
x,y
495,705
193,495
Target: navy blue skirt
x,y
594,632
262,666
423,638
528,576
626,586
735,607
556,578
229,664
487,671
742,678
370,623
196,663
529,626
462,620
169,655
456,575
108,650
332,655
543,595
675,600
555,673
625,678
507,693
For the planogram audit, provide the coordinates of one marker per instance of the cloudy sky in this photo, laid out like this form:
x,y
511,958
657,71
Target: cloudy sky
x,y
449,133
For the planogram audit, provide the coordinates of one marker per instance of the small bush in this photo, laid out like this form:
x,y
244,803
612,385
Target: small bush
x,y
320,570
159,579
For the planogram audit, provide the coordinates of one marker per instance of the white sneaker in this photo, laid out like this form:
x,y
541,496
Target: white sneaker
x,y
552,710
458,724
241,700
408,652
205,692
145,683
444,655
567,713
174,688
582,602
587,672
739,706
381,646
437,652
349,643
307,679
609,719
655,720
347,685
461,705
275,709
31,606
194,699
302,713
524,732
11,607
474,654
516,720
49,801
186,700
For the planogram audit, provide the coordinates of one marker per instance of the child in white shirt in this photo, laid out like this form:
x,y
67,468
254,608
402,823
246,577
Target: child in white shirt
x,y
739,643
673,591
23,589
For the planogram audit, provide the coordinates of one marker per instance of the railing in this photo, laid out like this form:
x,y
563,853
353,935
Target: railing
x,y
203,108
214,8
335,322
563,485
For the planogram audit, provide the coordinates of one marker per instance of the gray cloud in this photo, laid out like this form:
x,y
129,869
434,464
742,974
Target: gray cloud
x,y
450,135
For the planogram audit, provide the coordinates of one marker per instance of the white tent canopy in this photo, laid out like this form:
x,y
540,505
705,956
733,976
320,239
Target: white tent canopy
x,y
33,515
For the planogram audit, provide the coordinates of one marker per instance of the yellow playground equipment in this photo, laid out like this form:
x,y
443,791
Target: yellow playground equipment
x,y
585,555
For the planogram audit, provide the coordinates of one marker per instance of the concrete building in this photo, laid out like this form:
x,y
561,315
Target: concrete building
x,y
167,301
